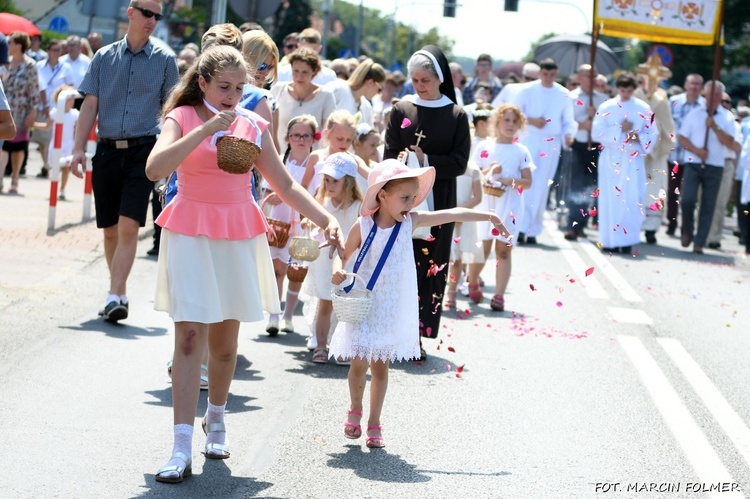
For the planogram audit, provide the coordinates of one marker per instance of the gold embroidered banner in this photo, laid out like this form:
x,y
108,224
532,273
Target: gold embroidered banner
x,y
690,22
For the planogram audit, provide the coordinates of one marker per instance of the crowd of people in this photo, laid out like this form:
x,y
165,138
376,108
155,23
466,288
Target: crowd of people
x,y
383,171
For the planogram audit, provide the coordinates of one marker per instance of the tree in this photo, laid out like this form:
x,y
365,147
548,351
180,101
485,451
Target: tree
x,y
10,7
290,16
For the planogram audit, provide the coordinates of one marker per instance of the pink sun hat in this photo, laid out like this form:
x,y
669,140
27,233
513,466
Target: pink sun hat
x,y
393,169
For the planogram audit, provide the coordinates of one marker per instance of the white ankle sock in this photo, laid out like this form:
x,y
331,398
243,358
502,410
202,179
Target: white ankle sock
x,y
215,414
291,304
183,442
111,298
124,299
273,317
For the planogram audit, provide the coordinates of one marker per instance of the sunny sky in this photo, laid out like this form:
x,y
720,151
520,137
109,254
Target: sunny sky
x,y
482,25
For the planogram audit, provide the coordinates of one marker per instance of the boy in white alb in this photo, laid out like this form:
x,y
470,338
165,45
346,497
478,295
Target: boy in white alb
x,y
549,113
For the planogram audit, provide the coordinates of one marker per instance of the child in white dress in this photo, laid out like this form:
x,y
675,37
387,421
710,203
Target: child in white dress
x,y
341,197
391,329
300,162
506,164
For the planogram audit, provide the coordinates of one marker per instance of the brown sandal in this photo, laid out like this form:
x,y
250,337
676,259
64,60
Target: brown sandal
x,y
498,303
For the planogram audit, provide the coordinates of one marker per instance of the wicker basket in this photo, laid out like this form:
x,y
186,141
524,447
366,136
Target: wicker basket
x,y
235,154
296,273
353,306
492,190
304,248
279,233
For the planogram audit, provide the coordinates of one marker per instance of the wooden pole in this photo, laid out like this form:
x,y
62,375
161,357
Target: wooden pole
x,y
594,41
717,68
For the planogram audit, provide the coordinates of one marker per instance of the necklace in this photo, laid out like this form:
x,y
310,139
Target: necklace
x,y
304,97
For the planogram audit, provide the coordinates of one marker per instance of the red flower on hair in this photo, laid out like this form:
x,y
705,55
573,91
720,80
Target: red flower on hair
x,y
317,136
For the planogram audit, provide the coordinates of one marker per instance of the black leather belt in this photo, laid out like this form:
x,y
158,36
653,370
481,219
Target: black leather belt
x,y
126,143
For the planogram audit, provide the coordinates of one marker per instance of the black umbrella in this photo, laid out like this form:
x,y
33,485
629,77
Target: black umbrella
x,y
570,51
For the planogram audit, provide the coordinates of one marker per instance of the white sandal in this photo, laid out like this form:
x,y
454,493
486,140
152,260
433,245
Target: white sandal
x,y
182,472
214,450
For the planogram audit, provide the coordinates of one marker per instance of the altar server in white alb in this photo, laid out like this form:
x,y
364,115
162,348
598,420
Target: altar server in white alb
x,y
627,131
549,113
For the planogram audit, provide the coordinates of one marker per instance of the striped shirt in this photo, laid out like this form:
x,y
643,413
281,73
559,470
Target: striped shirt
x,y
131,88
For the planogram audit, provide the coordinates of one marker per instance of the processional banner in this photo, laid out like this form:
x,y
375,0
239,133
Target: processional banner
x,y
690,22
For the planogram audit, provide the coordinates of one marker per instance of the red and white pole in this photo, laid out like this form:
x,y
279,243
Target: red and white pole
x,y
54,156
87,187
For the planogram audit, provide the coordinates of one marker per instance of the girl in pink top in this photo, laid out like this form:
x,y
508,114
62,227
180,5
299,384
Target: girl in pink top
x,y
214,265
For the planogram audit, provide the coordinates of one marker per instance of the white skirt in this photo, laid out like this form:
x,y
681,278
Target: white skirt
x,y
212,280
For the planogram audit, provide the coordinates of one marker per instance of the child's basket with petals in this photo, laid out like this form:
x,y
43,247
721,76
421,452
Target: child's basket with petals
x,y
235,154
353,306
304,248
296,272
278,235
492,189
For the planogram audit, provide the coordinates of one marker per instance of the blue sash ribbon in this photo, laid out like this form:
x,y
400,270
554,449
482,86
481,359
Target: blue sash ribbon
x,y
365,248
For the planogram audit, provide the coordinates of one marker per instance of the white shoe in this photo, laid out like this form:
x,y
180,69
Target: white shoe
x,y
273,328
287,326
312,343
464,288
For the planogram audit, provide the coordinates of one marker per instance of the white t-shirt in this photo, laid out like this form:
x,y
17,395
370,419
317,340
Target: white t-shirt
x,y
69,120
345,100
62,74
693,128
78,67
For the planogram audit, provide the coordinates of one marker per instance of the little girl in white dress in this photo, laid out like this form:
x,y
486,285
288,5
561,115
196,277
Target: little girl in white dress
x,y
391,329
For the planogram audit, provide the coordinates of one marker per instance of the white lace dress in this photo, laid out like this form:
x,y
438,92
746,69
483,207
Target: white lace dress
x,y
391,331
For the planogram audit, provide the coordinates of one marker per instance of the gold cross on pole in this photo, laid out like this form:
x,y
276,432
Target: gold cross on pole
x,y
653,70
419,135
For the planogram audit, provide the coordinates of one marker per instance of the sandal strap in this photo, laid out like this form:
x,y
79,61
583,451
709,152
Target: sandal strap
x,y
224,448
355,412
173,467
215,427
375,427
353,425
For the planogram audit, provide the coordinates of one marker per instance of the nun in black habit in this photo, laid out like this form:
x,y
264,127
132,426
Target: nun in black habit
x,y
430,124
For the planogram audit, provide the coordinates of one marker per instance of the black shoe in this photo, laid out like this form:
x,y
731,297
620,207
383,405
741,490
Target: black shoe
x,y
610,250
626,250
671,229
571,235
115,311
153,251
651,236
521,239
714,245
43,174
531,240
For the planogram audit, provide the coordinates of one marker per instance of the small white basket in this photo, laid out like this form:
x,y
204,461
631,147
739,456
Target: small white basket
x,y
352,306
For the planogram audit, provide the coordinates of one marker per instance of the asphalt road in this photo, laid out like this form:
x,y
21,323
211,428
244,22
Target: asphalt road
x,y
630,378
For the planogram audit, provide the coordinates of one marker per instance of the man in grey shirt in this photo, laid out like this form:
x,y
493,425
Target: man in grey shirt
x,y
126,85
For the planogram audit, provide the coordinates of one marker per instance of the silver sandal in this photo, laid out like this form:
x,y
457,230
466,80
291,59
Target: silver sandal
x,y
214,450
181,472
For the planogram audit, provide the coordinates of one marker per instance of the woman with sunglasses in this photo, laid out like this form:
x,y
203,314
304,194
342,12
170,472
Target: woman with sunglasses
x,y
356,93
261,53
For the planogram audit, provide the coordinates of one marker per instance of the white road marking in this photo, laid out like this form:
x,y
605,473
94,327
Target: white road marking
x,y
693,441
606,267
591,283
629,315
725,415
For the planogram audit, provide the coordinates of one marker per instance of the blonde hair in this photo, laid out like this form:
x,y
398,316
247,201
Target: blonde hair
x,y
209,64
367,70
256,48
352,192
497,116
222,34
305,119
343,118
60,90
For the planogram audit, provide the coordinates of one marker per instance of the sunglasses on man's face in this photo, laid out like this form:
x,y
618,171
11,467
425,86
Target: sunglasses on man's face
x,y
148,14
291,46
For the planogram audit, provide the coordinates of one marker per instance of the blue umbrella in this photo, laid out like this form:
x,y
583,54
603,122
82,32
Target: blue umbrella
x,y
570,51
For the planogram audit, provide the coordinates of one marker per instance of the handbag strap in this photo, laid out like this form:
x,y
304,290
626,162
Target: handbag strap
x,y
383,257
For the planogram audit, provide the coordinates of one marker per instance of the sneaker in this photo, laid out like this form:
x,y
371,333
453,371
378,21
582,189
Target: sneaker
x,y
61,197
115,311
464,288
286,326
272,328
312,343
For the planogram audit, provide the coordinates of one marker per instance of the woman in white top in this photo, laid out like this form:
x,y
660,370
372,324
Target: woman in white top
x,y
302,96
355,94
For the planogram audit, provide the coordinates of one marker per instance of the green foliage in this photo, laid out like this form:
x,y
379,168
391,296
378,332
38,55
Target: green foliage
x,y
10,7
529,57
383,39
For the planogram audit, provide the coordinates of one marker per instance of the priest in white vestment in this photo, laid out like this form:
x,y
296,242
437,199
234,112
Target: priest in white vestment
x,y
627,131
549,114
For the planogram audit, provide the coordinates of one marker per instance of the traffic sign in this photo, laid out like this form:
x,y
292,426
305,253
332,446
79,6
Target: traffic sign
x,y
664,53
59,24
